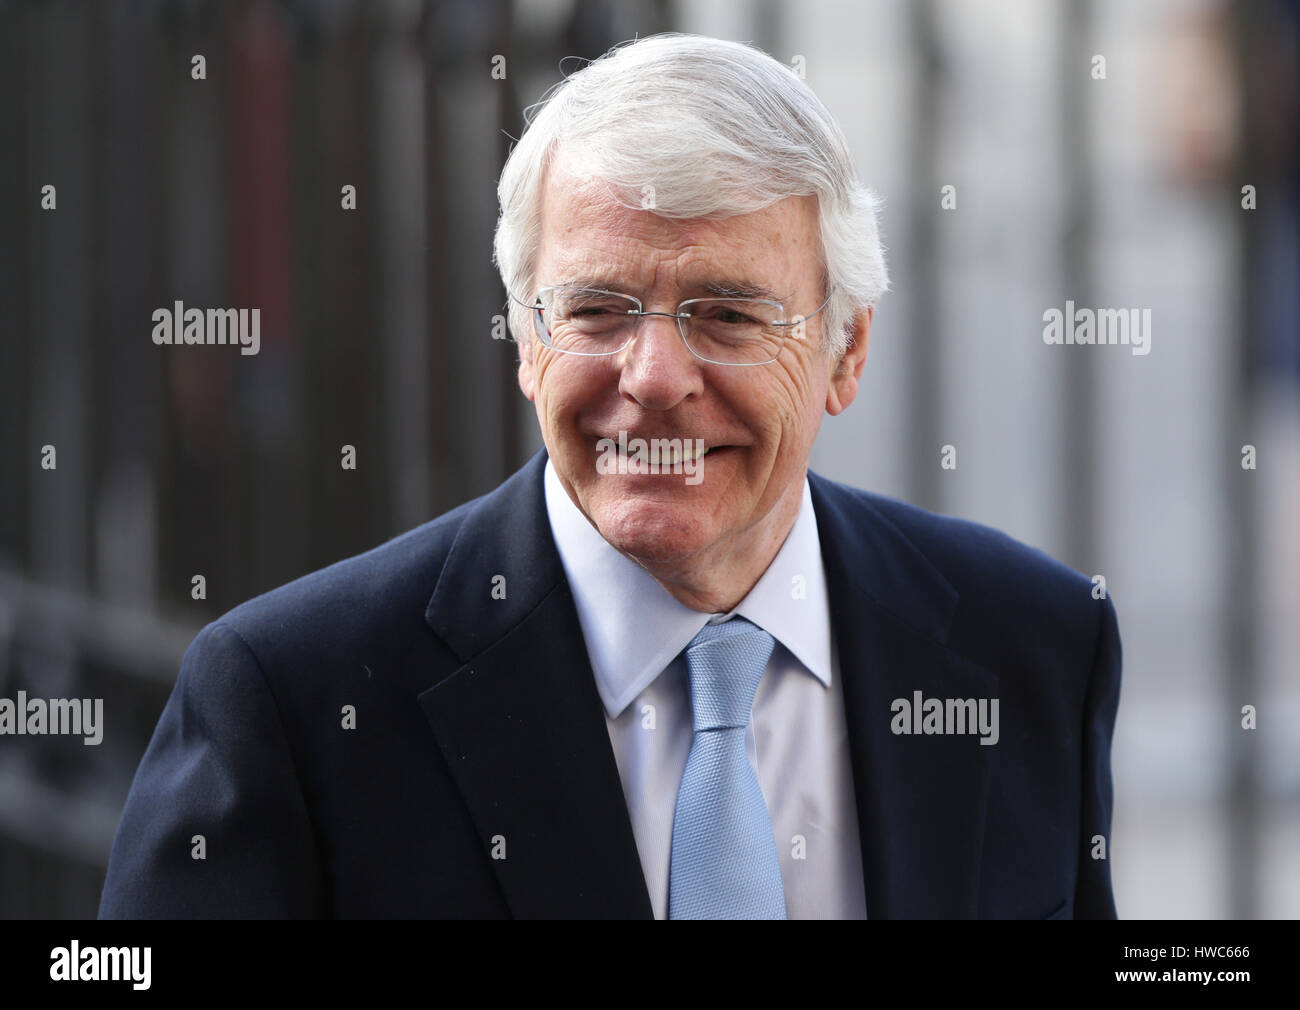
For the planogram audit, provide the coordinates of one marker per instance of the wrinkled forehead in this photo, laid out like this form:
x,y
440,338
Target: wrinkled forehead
x,y
590,229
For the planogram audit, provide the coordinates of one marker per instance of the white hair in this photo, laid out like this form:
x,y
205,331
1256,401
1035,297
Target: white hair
x,y
716,128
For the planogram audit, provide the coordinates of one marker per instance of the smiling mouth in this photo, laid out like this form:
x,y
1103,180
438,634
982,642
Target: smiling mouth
x,y
671,452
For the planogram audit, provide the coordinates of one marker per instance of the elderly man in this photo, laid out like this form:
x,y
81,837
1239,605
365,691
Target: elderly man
x,y
663,670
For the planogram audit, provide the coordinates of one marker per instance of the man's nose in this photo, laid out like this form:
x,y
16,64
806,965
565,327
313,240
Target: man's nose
x,y
658,369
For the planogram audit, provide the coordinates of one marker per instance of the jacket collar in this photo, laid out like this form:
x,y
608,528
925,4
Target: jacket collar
x,y
523,731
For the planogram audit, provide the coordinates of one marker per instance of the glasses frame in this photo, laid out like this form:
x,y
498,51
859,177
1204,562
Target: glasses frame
x,y
539,324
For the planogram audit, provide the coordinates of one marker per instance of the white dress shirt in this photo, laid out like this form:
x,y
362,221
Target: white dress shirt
x,y
797,740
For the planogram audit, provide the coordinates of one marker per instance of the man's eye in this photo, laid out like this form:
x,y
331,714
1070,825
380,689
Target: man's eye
x,y
733,317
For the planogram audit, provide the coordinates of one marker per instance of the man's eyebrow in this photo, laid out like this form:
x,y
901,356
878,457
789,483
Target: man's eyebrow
x,y
724,288
592,281
741,289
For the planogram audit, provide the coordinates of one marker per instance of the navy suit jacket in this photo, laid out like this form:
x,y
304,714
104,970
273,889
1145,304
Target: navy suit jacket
x,y
477,732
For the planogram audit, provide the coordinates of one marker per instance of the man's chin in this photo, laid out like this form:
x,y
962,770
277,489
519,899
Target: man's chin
x,y
653,530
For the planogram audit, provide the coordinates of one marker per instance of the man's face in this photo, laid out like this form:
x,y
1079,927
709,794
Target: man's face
x,y
758,422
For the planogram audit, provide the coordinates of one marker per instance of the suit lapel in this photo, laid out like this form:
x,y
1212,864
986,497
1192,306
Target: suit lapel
x,y
520,723
921,799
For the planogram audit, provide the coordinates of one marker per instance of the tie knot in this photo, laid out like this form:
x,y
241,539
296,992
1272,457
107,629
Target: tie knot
x,y
726,662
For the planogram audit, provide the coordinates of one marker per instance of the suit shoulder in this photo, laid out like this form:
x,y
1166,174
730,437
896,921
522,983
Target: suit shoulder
x,y
396,577
978,561
1013,605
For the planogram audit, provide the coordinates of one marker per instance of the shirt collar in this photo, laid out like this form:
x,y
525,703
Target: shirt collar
x,y
634,628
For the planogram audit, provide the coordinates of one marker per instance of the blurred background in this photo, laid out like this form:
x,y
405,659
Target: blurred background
x,y
1119,190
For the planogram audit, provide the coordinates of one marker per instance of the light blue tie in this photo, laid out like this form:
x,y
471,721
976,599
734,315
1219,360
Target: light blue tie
x,y
724,863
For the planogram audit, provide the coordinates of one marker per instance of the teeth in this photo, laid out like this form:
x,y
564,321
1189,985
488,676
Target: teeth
x,y
672,456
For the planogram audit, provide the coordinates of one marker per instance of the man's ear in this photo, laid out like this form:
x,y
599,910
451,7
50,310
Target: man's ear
x,y
527,378
848,370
